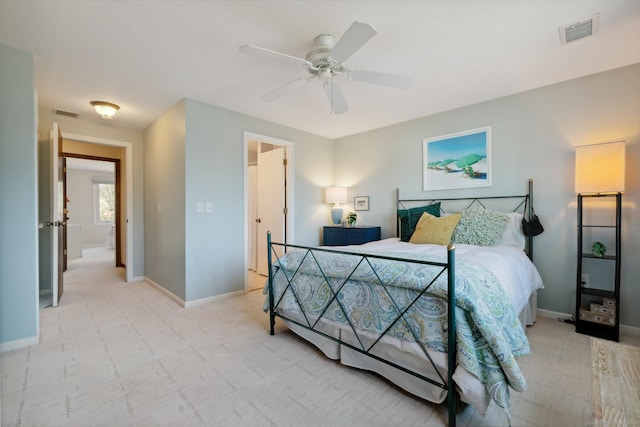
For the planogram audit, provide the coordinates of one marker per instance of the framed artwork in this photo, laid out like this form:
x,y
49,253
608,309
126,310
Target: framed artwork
x,y
457,160
361,203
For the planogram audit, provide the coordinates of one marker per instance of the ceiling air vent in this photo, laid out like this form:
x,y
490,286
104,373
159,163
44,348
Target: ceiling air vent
x,y
66,113
579,30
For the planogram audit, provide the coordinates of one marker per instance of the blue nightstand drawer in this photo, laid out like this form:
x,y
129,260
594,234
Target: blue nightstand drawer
x,y
341,236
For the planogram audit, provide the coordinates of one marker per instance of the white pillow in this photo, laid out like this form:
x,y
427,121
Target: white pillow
x,y
513,235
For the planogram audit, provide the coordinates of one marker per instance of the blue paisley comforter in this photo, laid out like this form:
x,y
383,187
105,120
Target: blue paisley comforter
x,y
489,335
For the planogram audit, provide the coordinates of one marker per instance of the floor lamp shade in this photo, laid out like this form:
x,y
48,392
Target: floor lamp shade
x,y
336,195
600,168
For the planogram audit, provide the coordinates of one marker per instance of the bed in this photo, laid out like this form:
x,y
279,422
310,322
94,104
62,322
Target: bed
x,y
384,306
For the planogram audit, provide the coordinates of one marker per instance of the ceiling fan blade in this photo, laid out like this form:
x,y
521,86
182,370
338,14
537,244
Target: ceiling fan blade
x,y
356,36
336,98
277,93
384,79
255,50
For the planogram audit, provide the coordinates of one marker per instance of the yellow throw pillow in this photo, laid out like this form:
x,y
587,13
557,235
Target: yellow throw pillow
x,y
434,230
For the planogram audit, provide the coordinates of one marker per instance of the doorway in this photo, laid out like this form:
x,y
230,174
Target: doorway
x,y
269,189
120,152
92,193
47,270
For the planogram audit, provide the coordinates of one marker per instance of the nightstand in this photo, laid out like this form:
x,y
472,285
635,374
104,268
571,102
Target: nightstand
x,y
341,236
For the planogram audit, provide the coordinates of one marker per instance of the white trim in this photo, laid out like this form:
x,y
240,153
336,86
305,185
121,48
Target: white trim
x,y
194,303
552,314
17,344
248,136
630,330
168,293
207,300
128,220
627,329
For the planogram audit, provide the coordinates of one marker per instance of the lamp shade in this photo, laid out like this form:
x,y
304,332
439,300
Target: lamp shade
x,y
600,168
335,195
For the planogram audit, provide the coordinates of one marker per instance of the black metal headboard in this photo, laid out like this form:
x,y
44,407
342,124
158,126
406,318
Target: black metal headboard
x,y
514,203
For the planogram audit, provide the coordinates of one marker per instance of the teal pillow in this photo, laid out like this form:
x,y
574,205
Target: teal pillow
x,y
409,218
480,227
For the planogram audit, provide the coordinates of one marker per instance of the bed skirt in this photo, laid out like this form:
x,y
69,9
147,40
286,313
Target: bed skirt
x,y
408,355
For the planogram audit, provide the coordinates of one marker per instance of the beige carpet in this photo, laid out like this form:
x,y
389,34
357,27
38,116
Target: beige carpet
x,y
118,354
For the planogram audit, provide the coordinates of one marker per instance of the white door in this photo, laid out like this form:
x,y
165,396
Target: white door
x,y
56,222
271,202
253,215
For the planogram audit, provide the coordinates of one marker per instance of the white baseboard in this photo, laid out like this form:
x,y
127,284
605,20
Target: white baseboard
x,y
207,300
137,279
193,303
170,294
630,330
21,343
627,329
553,314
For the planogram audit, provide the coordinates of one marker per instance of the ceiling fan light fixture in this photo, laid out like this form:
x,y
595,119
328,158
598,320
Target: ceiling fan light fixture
x,y
325,62
106,109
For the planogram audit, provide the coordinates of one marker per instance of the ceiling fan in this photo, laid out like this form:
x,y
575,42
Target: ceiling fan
x,y
326,60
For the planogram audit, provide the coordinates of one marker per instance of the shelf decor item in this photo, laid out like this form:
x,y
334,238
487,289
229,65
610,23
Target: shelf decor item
x,y
351,218
598,249
361,203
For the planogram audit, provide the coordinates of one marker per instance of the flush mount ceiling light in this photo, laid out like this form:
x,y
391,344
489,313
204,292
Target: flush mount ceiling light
x,y
106,109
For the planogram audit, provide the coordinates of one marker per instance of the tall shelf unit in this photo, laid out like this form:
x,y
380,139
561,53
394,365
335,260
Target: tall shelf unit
x,y
598,301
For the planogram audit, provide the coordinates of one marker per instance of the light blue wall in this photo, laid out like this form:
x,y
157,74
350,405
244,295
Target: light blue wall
x,y
164,195
534,135
18,195
215,173
195,152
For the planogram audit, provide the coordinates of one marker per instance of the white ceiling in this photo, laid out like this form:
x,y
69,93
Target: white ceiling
x,y
148,55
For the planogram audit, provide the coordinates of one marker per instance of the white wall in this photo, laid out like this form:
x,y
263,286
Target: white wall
x,y
81,205
534,135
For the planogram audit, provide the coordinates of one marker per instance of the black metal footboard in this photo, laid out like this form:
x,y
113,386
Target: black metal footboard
x,y
447,268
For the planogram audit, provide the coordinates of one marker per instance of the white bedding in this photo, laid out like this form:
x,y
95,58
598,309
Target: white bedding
x,y
513,269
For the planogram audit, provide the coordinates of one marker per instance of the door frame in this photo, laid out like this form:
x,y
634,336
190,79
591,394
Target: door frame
x,y
128,219
290,191
118,192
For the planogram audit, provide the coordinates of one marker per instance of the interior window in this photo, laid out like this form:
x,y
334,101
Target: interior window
x,y
104,202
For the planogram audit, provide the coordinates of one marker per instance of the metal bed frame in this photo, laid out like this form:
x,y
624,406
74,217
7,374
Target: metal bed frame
x,y
447,268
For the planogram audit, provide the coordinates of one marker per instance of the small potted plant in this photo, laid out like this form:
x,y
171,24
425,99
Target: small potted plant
x,y
351,218
598,249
